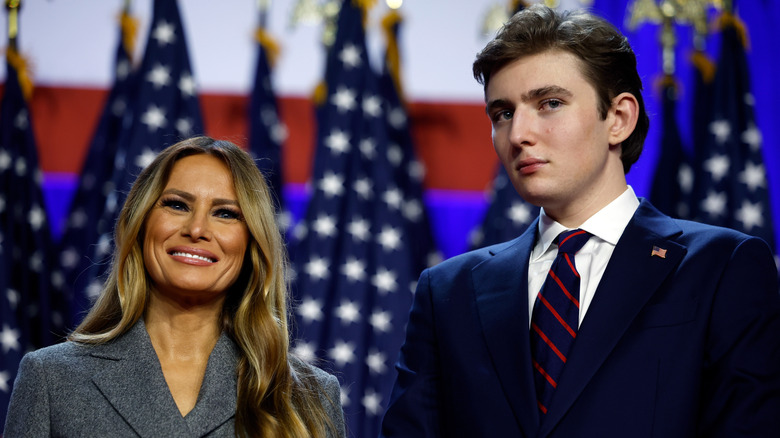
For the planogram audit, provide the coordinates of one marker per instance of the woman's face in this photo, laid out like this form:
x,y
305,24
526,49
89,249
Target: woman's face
x,y
195,235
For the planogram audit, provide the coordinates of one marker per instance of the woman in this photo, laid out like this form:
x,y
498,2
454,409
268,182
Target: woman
x,y
189,336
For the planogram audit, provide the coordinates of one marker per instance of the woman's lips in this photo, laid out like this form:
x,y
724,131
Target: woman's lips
x,y
193,256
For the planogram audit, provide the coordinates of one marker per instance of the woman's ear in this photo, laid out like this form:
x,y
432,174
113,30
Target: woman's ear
x,y
623,116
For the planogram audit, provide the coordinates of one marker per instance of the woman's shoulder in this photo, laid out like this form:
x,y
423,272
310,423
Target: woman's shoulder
x,y
61,352
305,369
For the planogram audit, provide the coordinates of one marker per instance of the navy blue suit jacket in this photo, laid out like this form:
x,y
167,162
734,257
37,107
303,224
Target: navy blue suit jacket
x,y
684,345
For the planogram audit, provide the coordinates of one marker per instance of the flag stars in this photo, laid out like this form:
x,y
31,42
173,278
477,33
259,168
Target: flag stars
x,y
721,129
752,137
380,320
354,269
145,158
751,215
5,377
394,198
717,166
389,238
364,188
344,99
368,148
376,361
342,353
21,121
159,76
385,281
754,176
359,229
310,310
187,85
397,118
413,210
154,118
164,33
9,339
184,126
372,106
36,218
5,160
20,167
350,56
338,142
332,184
305,351
317,268
324,226
348,312
714,204
372,402
13,297
519,213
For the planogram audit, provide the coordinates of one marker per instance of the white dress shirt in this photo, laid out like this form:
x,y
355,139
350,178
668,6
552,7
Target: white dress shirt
x,y
606,227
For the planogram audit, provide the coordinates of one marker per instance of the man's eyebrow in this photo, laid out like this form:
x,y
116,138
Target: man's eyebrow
x,y
531,95
496,103
538,93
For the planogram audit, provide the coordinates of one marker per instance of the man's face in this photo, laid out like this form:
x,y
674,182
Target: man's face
x,y
549,136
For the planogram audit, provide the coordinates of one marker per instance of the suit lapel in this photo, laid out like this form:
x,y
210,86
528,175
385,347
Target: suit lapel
x,y
500,285
217,397
133,383
618,300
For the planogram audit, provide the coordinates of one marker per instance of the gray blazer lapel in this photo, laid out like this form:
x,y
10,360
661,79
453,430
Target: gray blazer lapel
x,y
132,381
618,300
217,399
501,288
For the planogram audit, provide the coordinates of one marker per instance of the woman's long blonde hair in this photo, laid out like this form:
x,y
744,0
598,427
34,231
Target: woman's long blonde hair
x,y
273,398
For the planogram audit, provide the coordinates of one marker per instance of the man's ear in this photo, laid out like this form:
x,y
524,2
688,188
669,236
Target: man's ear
x,y
622,115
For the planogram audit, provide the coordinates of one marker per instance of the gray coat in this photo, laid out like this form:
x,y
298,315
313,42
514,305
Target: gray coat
x,y
118,390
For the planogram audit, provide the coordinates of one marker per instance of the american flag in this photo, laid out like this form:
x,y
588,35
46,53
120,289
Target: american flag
x,y
267,132
673,179
30,307
730,184
507,216
89,199
353,265
408,171
165,109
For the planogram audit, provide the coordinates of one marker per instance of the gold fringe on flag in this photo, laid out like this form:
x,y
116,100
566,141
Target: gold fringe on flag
x,y
129,26
272,47
320,93
19,64
728,19
393,57
704,64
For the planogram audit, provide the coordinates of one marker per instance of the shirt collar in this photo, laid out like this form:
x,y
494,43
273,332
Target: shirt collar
x,y
607,224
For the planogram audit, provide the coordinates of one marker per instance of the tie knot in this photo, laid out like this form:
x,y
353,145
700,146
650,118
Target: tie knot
x,y
571,241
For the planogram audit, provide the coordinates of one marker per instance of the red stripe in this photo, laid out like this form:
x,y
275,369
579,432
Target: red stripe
x,y
544,374
563,288
548,341
557,316
542,407
571,265
570,236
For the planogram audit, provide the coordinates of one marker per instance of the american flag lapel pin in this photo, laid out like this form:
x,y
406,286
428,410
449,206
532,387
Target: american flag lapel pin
x,y
658,252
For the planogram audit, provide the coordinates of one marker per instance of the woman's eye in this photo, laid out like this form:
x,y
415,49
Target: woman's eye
x,y
226,213
174,204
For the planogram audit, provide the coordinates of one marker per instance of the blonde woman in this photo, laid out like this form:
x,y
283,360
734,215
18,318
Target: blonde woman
x,y
189,336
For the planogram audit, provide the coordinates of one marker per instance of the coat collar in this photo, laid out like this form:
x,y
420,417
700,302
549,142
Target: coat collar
x,y
500,285
133,383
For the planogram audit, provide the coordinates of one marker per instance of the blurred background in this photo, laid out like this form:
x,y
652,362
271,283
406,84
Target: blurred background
x,y
333,98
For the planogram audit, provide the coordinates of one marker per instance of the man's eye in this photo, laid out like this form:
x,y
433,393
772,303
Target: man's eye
x,y
552,104
502,115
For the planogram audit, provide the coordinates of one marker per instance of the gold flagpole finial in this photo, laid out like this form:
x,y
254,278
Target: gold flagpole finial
x,y
13,20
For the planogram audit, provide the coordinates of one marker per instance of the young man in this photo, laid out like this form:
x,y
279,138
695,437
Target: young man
x,y
655,327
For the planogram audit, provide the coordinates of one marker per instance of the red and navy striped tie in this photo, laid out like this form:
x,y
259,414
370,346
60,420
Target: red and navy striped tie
x,y
556,317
